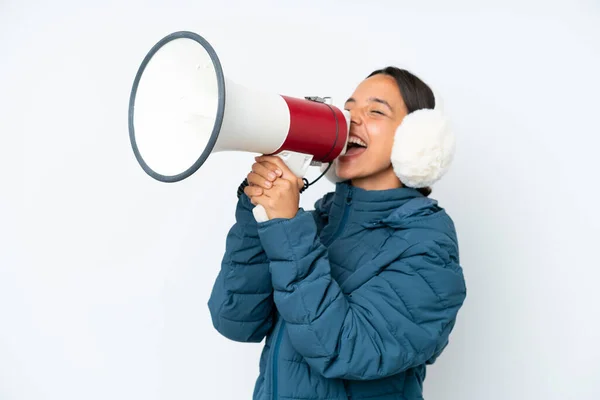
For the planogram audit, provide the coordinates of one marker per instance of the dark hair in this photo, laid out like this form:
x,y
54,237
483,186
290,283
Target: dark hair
x,y
415,93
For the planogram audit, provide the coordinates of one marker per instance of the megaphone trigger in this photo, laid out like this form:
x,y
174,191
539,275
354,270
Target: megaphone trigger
x,y
298,163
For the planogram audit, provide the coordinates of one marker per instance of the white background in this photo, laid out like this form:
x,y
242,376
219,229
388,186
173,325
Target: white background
x,y
105,273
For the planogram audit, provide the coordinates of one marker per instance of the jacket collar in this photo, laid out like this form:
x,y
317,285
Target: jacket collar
x,y
370,207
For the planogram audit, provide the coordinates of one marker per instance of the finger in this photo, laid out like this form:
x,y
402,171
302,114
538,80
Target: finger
x,y
287,173
258,180
271,193
274,160
252,191
283,184
267,170
262,200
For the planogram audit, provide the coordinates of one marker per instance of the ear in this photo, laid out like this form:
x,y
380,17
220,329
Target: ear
x,y
423,148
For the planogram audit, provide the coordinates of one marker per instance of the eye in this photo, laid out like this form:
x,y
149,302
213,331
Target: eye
x,y
377,112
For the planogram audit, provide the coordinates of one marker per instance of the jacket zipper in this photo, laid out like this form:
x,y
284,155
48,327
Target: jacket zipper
x,y
342,224
346,390
282,325
275,359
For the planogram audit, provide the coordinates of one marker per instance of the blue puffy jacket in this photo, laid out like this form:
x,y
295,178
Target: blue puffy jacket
x,y
355,298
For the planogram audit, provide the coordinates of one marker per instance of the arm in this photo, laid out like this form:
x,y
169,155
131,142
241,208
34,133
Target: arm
x,y
241,302
399,318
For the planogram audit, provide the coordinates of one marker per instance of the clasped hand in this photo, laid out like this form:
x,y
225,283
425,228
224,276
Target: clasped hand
x,y
274,186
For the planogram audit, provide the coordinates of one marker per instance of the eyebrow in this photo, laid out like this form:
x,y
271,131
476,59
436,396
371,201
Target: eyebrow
x,y
374,99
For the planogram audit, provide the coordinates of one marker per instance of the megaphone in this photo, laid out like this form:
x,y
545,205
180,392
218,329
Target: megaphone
x,y
182,108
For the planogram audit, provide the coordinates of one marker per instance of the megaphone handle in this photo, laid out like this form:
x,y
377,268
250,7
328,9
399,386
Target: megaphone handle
x,y
298,163
260,214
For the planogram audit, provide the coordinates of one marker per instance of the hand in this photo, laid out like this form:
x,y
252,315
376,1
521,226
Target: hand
x,y
262,177
280,197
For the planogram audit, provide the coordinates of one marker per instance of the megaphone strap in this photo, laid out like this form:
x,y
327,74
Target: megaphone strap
x,y
241,188
307,184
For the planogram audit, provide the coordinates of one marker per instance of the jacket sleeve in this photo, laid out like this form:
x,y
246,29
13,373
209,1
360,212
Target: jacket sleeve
x,y
400,317
241,302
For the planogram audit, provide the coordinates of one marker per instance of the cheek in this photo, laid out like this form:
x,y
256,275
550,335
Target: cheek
x,y
381,138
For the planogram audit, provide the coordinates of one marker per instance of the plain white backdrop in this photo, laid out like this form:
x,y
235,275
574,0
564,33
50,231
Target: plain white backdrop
x,y
105,273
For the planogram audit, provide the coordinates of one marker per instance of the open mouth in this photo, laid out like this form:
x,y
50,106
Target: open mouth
x,y
355,146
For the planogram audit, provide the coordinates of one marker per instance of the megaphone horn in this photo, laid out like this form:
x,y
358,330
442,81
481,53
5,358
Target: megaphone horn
x,y
182,108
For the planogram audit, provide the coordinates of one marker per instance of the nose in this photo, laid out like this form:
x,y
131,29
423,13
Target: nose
x,y
355,116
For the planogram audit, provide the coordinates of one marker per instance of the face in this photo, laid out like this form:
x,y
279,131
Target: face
x,y
377,109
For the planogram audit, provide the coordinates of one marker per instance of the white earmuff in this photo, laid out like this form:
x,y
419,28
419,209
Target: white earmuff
x,y
424,146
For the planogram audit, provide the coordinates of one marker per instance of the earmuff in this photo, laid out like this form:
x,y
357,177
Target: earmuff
x,y
423,148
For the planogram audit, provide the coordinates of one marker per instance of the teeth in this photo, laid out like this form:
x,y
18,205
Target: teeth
x,y
356,140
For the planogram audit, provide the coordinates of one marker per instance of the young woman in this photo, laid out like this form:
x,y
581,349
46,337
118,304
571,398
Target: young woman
x,y
356,297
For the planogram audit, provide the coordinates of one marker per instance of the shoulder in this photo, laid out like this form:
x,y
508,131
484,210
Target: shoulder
x,y
431,245
322,208
323,205
425,226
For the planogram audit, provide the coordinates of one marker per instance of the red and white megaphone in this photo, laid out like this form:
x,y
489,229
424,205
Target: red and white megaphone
x,y
182,108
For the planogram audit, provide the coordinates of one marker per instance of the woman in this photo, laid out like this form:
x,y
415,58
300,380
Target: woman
x,y
356,297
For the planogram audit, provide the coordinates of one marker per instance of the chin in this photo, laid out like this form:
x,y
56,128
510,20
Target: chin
x,y
346,174
354,164
364,170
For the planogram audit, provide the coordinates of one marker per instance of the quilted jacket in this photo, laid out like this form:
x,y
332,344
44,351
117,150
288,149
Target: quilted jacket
x,y
353,299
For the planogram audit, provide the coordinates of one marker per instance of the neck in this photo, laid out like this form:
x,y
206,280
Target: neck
x,y
382,180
